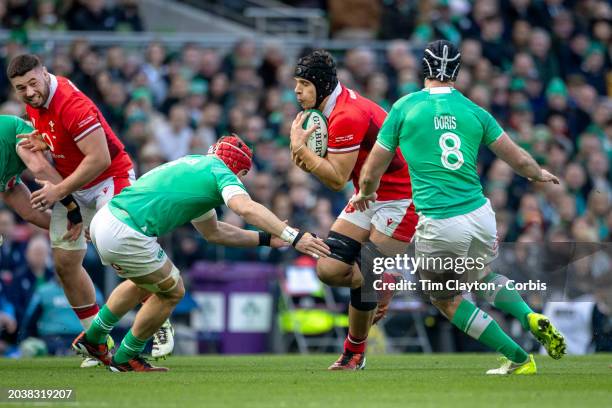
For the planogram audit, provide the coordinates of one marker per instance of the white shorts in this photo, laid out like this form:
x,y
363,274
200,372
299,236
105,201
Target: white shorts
x,y
128,251
395,218
472,235
90,200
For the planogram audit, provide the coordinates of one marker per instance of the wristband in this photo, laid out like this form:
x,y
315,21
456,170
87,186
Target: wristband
x,y
264,238
297,238
74,216
288,235
69,202
74,211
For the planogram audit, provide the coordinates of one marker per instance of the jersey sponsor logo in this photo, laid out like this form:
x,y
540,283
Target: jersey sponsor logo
x,y
86,120
351,94
160,254
51,125
116,267
105,190
389,221
346,138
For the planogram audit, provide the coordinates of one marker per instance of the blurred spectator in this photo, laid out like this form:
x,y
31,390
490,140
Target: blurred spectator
x,y
30,276
91,15
155,70
8,323
174,139
12,252
357,19
128,17
46,17
50,317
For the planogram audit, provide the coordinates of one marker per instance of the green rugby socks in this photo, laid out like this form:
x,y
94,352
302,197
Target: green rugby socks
x,y
101,326
130,347
480,326
506,298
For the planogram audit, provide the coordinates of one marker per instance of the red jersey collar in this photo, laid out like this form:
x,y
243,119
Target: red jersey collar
x,y
52,89
331,101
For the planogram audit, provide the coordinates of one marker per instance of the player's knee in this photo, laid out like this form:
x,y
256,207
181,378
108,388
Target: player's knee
x,y
343,248
324,272
333,273
171,289
66,265
174,296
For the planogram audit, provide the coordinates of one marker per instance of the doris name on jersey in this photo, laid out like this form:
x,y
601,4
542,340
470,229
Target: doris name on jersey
x,y
445,122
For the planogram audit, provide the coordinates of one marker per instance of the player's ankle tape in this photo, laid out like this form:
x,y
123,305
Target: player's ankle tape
x,y
358,303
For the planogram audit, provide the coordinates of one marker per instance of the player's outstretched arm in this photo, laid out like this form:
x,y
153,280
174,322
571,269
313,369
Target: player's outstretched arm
x,y
18,198
259,216
333,170
222,233
372,171
520,161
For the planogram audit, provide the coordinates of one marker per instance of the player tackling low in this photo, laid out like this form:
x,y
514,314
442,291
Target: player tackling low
x,y
90,158
439,132
125,234
353,124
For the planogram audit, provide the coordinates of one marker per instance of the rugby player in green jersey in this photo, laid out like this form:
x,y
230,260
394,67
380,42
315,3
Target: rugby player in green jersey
x,y
439,132
13,161
125,234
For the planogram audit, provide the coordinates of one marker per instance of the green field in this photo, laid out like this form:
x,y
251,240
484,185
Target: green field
x,y
404,380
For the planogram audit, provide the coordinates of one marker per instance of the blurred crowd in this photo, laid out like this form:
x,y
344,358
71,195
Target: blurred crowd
x,y
541,67
78,15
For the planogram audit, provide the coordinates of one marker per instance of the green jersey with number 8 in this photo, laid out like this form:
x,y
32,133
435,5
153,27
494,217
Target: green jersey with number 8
x,y
439,132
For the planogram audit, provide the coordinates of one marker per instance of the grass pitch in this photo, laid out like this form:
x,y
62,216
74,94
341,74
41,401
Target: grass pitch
x,y
435,380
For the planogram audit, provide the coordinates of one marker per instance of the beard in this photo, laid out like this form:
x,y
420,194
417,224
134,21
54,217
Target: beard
x,y
39,98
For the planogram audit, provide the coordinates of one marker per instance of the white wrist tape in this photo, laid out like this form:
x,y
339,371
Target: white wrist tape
x,y
288,235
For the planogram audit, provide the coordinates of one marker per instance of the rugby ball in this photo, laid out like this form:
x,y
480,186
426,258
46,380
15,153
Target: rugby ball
x,y
317,141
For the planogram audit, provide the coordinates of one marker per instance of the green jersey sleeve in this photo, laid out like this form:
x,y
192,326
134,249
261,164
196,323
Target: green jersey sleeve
x,y
388,136
228,183
21,127
491,129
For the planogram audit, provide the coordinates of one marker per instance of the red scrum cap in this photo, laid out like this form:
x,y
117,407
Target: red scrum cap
x,y
234,152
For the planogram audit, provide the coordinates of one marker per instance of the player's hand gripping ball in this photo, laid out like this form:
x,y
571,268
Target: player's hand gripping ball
x,y
309,129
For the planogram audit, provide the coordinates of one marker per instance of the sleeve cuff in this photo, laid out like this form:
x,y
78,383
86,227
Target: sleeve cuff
x,y
378,142
87,131
497,138
206,216
231,191
347,149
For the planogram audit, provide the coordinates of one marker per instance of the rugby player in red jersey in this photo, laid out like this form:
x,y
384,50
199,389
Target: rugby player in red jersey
x,y
353,125
86,153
